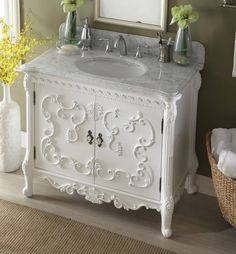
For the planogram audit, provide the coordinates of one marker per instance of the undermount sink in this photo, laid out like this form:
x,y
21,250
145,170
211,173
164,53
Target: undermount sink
x,y
112,67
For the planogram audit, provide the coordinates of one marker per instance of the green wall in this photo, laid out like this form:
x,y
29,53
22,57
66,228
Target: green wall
x,y
215,29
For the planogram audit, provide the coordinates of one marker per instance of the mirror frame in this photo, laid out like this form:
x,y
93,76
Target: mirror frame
x,y
119,22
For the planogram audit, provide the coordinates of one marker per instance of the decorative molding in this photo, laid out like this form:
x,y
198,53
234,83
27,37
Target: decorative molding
x,y
98,196
41,79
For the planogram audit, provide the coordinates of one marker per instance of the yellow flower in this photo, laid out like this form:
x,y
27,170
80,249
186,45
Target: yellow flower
x,y
13,51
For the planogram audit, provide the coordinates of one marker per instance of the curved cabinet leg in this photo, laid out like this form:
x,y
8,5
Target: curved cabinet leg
x,y
191,177
28,176
167,209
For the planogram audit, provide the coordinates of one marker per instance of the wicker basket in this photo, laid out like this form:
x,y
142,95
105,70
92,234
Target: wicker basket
x,y
225,188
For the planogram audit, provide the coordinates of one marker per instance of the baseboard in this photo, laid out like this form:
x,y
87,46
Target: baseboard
x,y
205,184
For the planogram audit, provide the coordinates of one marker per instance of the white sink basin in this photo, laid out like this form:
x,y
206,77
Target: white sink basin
x,y
112,67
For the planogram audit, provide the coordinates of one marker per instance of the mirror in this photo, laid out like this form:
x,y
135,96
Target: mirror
x,y
146,14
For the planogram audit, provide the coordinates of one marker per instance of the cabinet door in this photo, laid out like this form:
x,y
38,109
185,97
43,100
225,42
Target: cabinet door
x,y
63,119
129,158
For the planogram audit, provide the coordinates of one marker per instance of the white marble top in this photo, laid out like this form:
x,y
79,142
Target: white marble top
x,y
165,78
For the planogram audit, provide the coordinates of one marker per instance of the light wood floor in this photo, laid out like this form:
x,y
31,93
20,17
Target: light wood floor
x,y
197,224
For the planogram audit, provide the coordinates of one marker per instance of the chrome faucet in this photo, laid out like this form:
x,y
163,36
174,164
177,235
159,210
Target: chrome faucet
x,y
121,44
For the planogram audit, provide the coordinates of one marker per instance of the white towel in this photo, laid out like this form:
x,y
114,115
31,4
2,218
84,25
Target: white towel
x,y
234,62
233,133
227,163
221,139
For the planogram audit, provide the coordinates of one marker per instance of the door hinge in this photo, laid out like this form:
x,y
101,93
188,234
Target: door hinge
x,y
34,152
34,98
162,125
160,182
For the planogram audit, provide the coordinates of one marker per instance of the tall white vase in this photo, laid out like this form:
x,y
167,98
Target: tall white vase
x,y
10,133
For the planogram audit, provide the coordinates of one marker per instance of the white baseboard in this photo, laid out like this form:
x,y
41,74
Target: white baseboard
x,y
205,184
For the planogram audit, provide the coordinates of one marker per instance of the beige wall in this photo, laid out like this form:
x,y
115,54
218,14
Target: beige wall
x,y
215,29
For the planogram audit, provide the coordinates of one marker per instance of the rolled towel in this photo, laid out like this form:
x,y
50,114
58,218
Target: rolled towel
x,y
221,139
227,163
233,133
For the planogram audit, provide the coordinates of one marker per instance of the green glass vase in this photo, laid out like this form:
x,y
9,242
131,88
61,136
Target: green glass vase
x,y
70,33
183,47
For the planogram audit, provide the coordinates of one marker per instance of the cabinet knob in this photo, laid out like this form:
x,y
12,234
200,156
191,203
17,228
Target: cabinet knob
x,y
90,137
99,140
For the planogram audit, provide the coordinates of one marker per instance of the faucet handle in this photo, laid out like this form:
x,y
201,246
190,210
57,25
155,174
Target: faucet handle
x,y
116,44
138,53
108,44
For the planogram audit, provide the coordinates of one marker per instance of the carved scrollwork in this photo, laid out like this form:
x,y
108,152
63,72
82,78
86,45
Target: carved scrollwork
x,y
144,143
114,146
143,177
109,174
66,112
48,147
96,195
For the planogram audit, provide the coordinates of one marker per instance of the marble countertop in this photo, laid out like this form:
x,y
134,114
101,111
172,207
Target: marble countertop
x,y
165,78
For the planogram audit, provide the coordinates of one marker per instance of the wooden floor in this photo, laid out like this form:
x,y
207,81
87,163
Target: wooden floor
x,y
197,224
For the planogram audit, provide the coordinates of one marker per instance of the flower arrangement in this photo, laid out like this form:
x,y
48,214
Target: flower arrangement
x,y
71,5
184,15
13,51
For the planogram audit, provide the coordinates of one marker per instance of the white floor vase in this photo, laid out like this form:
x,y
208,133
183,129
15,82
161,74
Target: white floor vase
x,y
10,133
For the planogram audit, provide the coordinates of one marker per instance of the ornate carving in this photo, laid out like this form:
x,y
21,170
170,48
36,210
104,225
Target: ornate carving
x,y
66,112
144,143
167,205
112,132
171,109
98,196
48,147
143,177
95,111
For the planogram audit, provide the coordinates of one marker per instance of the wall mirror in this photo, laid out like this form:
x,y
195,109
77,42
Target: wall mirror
x,y
146,14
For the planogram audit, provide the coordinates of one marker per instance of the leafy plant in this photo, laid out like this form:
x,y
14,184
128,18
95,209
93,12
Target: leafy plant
x,y
184,15
71,5
12,51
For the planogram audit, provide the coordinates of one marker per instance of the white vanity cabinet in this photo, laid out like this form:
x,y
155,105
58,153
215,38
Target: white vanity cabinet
x,y
110,141
100,140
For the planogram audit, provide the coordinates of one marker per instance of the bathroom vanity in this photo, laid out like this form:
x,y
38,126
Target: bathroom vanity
x,y
113,129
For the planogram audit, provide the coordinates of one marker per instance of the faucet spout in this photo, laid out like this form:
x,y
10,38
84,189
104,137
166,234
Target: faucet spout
x,y
121,44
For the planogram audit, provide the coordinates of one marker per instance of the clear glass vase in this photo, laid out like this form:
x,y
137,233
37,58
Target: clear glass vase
x,y
70,33
183,47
